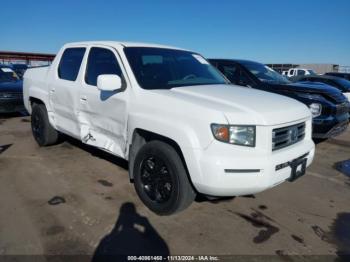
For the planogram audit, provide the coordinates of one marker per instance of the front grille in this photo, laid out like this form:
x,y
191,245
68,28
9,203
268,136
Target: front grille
x,y
286,136
11,95
343,108
338,129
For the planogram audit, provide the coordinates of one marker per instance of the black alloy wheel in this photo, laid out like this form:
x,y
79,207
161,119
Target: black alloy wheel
x,y
156,179
161,179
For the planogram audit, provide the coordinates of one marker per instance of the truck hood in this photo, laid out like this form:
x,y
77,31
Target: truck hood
x,y
12,87
242,105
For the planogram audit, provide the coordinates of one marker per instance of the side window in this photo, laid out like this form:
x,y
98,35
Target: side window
x,y
230,71
101,61
244,79
69,66
301,72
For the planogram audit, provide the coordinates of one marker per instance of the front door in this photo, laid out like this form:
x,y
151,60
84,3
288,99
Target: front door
x,y
103,114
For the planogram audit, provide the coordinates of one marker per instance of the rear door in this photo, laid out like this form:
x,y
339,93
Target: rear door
x,y
64,90
103,114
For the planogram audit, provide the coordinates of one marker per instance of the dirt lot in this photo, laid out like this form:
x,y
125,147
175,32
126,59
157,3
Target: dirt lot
x,y
71,199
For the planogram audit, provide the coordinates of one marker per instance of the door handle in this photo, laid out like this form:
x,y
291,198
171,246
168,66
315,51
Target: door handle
x,y
83,98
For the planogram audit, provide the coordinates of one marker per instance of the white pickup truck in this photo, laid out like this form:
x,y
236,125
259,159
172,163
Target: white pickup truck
x,y
294,72
181,126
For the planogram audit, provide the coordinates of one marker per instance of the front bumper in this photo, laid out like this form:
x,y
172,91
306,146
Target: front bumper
x,y
331,126
229,170
11,105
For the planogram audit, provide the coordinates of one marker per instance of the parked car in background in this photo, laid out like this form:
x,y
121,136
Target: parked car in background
x,y
293,72
340,83
11,91
174,117
329,107
8,71
342,75
19,69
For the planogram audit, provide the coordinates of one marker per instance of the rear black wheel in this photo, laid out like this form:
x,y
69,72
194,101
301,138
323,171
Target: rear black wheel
x,y
161,180
44,134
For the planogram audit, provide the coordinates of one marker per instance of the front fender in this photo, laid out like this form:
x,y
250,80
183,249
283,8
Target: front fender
x,y
183,133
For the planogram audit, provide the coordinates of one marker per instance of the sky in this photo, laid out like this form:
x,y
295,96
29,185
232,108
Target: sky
x,y
268,31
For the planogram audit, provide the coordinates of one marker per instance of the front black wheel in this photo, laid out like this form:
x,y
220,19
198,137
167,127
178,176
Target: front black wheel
x,y
44,134
161,180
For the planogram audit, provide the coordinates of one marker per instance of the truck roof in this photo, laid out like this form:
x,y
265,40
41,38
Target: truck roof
x,y
120,43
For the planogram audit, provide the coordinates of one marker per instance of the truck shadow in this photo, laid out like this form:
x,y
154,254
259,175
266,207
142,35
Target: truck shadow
x,y
213,200
132,235
319,140
122,163
13,115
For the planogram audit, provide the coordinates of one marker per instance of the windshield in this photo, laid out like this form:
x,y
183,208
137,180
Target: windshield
x,y
7,75
311,72
160,68
265,73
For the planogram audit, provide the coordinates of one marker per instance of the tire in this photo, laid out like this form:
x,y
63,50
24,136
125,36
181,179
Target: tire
x,y
44,134
161,180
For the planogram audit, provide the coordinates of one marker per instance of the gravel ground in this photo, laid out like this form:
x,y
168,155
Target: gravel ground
x,y
72,199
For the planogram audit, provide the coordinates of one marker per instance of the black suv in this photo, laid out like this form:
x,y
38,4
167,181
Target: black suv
x,y
342,75
340,83
329,107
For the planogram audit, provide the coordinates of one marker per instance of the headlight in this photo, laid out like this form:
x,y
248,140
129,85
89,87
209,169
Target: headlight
x,y
315,109
238,135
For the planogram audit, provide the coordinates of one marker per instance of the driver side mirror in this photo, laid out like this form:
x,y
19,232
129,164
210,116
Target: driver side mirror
x,y
109,82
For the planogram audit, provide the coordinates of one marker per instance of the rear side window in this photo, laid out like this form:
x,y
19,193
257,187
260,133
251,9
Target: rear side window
x,y
101,61
69,66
